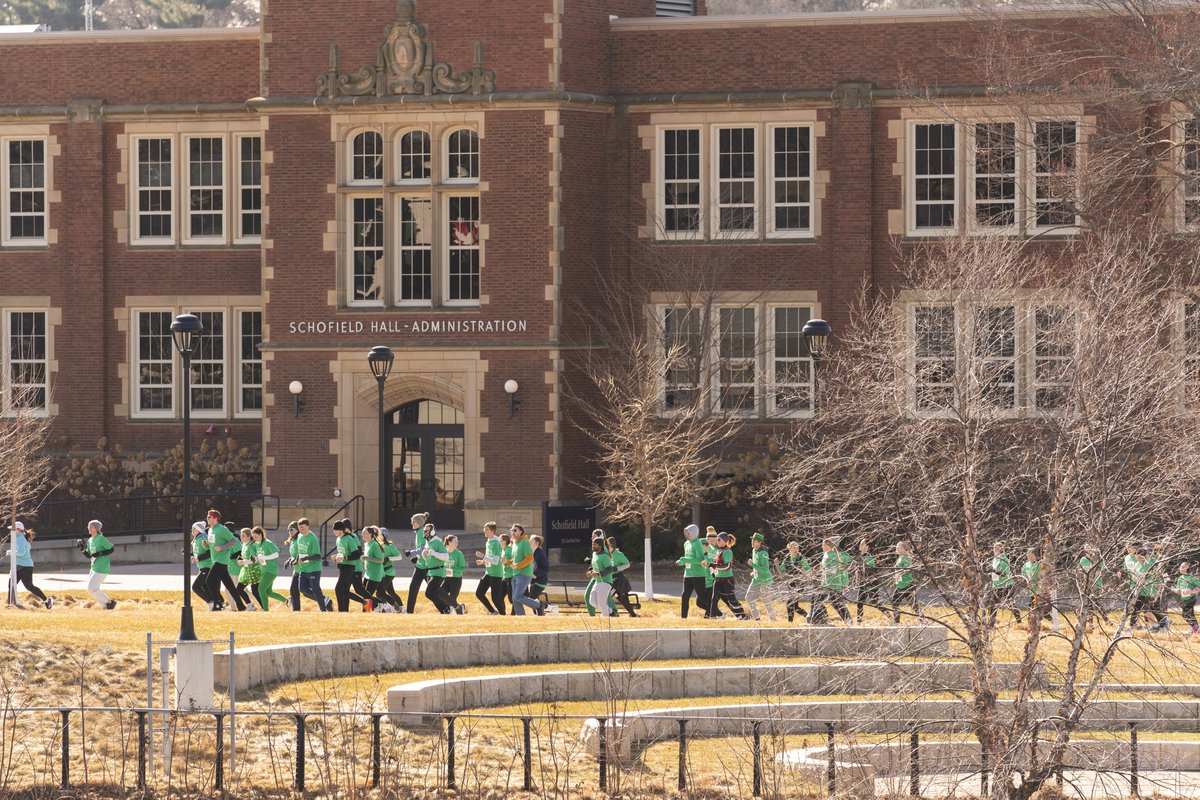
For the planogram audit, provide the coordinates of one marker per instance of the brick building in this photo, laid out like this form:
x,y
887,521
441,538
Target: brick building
x,y
449,181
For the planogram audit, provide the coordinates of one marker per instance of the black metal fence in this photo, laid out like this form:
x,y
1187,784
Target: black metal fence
x,y
306,751
160,513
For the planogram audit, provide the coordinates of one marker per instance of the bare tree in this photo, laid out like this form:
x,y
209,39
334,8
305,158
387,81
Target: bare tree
x,y
24,466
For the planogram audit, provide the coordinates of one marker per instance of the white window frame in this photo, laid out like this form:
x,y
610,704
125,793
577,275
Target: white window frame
x,y
447,246
400,248
186,212
350,156
716,181
352,248
1182,192
224,361
1019,383
973,175
913,360
135,381
911,178
172,170
397,140
238,361
1031,175
701,386
237,206
451,180
768,191
10,409
660,184
715,384
6,189
772,358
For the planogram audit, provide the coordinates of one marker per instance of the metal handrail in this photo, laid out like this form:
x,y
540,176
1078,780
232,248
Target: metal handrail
x,y
359,502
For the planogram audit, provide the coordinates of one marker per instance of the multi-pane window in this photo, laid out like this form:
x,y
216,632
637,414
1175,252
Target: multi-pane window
x,y
416,239
1053,348
710,181
225,363
205,187
250,377
995,340
154,391
24,191
1191,353
1191,173
791,366
221,180
748,360
934,357
1005,175
26,385
250,187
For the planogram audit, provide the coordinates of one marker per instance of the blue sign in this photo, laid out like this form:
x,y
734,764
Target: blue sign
x,y
568,526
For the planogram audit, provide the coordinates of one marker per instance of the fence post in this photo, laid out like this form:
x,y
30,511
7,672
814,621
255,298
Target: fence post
x,y
757,759
603,755
299,752
830,766
527,723
682,754
376,748
66,747
1133,760
220,751
914,763
450,753
141,728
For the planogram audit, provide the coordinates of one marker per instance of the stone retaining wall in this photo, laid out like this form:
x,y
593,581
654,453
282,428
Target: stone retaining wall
x,y
258,666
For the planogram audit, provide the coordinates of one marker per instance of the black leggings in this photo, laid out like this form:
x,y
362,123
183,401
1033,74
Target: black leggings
x,y
867,596
200,585
452,587
794,609
436,593
1147,605
25,576
908,595
387,592
693,586
414,588
1003,596
482,591
344,591
724,590
1187,605
218,575
621,590
294,592
819,616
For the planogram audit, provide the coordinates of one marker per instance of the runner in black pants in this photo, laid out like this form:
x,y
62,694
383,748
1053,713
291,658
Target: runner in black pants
x,y
420,573
202,557
492,583
347,557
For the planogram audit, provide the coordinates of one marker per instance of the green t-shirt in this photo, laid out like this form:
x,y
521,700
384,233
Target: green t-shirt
x,y
220,537
293,552
523,550
98,544
904,576
269,565
619,560
347,544
308,546
358,545
389,566
492,550
693,556
1032,572
1001,572
201,551
601,561
419,545
436,567
506,556
373,558
834,575
457,564
249,551
1188,586
711,552
762,568
792,566
724,562
1149,578
1093,568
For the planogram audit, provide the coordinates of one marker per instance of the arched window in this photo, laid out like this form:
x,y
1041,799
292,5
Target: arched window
x,y
462,156
414,157
366,160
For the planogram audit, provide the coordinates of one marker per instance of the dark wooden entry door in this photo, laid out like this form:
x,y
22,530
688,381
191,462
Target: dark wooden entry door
x,y
428,464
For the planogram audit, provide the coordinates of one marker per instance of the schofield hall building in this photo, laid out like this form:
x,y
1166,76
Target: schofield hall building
x,y
448,179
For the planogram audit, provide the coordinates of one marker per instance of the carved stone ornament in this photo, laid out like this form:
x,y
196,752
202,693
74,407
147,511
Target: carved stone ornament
x,y
406,65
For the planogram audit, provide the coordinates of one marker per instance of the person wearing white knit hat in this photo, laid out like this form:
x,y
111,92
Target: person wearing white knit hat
x,y
694,572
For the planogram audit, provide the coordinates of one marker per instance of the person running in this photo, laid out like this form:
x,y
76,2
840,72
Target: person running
x,y
373,561
387,588
267,556
601,571
1149,586
506,562
420,573
621,587
455,567
490,591
711,552
251,570
724,585
221,540
541,568
435,557
869,578
795,568
835,578
763,581
1187,586
694,572
1091,577
591,584
1003,586
308,562
905,591
1130,564
1031,572
521,561
347,557
291,547
98,549
202,558
22,555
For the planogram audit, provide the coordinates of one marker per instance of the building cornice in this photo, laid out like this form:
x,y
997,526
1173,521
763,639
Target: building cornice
x,y
120,37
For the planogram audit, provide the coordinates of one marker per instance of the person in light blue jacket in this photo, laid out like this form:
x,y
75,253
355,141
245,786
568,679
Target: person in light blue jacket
x,y
22,551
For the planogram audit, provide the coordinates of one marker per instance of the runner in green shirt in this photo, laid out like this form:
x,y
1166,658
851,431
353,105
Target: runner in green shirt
x,y
456,565
202,557
1003,589
223,543
418,522
1150,585
490,592
710,556
601,572
694,572
387,588
835,577
906,583
267,555
435,558
348,552
374,562
250,570
308,564
760,588
724,587
98,549
1187,586
621,586
794,567
521,561
1091,577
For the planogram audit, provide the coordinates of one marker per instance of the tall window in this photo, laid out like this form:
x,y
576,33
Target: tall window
x,y
1053,348
155,365
415,240
27,386
24,192
220,180
935,364
1191,173
737,367
1191,353
683,348
995,339
1054,174
791,389
995,174
711,182
250,379
208,366
934,170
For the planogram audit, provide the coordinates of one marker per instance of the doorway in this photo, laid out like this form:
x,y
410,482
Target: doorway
x,y
428,464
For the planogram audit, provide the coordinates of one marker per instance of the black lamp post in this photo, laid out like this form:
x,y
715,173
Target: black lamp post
x,y
185,330
816,333
380,358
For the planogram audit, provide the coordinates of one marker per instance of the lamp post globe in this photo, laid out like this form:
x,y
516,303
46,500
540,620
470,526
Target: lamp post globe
x,y
380,360
185,332
816,334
